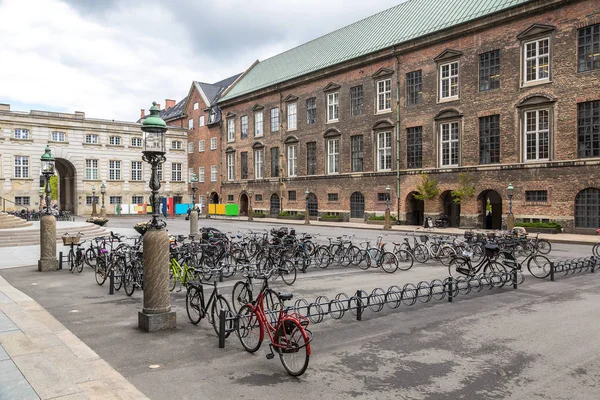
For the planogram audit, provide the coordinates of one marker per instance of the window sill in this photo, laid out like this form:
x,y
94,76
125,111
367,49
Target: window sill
x,y
92,180
258,136
384,170
292,130
212,149
115,180
537,203
21,140
92,144
177,150
525,85
115,145
448,100
540,161
450,166
58,142
332,173
384,112
333,121
21,179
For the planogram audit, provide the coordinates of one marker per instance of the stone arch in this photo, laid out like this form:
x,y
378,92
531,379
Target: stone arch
x,y
244,203
357,205
451,210
489,217
274,204
67,185
587,208
415,210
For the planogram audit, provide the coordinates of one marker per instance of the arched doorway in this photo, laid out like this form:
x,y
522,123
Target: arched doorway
x,y
357,205
313,205
415,210
451,209
244,204
587,208
214,198
67,193
275,204
489,208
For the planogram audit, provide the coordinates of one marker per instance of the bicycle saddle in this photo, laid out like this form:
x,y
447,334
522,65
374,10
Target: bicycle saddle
x,y
285,296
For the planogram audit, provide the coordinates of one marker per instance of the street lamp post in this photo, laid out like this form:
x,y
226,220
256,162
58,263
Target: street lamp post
x,y
387,226
306,216
510,218
47,261
194,212
94,212
41,192
250,211
156,313
103,192
208,204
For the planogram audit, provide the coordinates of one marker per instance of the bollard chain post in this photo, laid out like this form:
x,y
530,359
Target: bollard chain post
x,y
358,306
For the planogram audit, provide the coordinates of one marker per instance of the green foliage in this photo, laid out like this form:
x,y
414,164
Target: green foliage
x,y
283,214
258,214
488,206
466,188
539,224
428,188
380,218
330,216
54,187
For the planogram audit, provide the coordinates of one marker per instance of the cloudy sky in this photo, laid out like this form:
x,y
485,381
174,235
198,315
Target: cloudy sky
x,y
110,58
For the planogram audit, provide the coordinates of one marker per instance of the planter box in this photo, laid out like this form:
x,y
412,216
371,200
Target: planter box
x,y
543,230
100,223
295,217
331,220
258,216
378,222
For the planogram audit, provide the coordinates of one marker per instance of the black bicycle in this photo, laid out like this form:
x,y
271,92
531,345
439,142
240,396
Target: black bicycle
x,y
197,308
462,266
243,293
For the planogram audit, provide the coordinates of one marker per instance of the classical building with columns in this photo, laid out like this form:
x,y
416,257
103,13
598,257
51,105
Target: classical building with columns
x,y
89,152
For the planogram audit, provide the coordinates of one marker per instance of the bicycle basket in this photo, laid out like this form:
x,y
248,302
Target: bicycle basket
x,y
491,250
424,238
68,240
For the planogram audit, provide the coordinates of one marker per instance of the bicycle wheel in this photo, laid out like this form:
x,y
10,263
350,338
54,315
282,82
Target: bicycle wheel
x,y
287,271
596,249
374,257
539,266
129,281
388,262
445,255
421,253
194,298
458,267
249,329
100,270
90,257
71,261
323,257
365,261
405,260
240,296
221,303
544,246
172,278
119,271
293,350
477,250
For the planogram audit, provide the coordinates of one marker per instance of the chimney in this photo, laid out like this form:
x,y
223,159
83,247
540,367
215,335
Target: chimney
x,y
142,113
158,105
169,103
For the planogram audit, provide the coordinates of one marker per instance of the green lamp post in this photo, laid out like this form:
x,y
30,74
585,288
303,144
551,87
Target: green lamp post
x,y
47,261
387,225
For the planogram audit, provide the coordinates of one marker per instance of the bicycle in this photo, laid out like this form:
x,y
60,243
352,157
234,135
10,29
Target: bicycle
x,y
76,256
537,264
197,308
462,266
242,293
288,334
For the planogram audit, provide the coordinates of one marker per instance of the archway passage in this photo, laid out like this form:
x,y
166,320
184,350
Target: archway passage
x,y
67,193
489,209
275,204
244,204
214,198
415,210
451,209
587,208
313,205
357,205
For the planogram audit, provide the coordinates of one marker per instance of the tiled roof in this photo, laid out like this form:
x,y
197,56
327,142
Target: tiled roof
x,y
213,90
173,112
402,23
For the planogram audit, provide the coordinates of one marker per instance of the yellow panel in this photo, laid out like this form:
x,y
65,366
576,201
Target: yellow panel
x,y
220,209
211,209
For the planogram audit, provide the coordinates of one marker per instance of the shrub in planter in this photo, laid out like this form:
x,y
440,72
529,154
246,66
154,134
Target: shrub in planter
x,y
380,218
283,214
100,221
258,214
549,225
141,227
331,217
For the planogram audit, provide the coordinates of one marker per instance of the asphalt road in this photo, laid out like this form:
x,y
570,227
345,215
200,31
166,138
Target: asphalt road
x,y
536,342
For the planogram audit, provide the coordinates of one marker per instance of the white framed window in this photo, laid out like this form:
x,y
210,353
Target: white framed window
x,y
292,156
196,106
230,130
244,126
176,145
91,139
332,107
137,173
114,140
22,201
159,172
114,170
91,170
21,134
190,147
384,151
89,200
537,60
333,156
213,143
22,167
292,116
201,146
191,123
258,163
201,120
537,135
449,144
258,124
274,119
136,142
190,172
137,199
384,95
201,175
58,136
176,172
213,173
230,166
115,200
449,81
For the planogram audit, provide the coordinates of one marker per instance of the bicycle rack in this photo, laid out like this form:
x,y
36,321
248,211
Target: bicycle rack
x,y
572,266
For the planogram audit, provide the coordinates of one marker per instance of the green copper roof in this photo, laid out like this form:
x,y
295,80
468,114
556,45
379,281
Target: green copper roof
x,y
154,120
404,22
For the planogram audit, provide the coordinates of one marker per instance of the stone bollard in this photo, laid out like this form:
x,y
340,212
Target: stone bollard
x,y
156,314
193,222
48,261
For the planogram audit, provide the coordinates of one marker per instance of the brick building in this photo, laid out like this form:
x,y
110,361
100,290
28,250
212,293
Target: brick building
x,y
493,92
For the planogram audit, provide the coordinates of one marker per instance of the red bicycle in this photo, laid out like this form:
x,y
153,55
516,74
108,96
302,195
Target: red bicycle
x,y
288,334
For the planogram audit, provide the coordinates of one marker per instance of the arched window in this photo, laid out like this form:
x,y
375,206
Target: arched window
x,y
587,208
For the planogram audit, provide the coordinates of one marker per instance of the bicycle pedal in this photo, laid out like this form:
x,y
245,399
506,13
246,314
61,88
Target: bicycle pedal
x,y
270,356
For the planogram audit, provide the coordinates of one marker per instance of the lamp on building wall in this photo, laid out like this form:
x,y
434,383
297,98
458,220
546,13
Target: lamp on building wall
x,y
103,192
306,216
510,218
47,259
94,213
250,212
387,225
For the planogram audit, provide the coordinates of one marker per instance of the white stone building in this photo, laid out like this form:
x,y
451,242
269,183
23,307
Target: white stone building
x,y
88,152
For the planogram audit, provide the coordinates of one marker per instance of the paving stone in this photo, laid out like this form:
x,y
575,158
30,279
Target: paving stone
x,y
6,324
3,354
13,384
4,299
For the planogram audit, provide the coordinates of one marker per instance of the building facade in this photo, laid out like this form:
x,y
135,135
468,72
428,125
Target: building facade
x,y
507,94
88,152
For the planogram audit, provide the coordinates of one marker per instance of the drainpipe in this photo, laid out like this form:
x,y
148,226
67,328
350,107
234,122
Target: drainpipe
x,y
281,150
397,133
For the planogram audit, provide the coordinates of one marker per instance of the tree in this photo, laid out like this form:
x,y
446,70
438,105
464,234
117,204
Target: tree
x,y
466,188
54,187
427,189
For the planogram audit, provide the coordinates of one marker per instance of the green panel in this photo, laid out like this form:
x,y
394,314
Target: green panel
x,y
402,23
232,210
